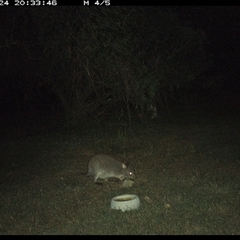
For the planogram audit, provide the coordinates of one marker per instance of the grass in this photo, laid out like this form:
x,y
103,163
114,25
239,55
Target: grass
x,y
187,165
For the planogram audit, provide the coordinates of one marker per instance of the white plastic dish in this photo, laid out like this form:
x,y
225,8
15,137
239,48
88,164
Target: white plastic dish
x,y
125,202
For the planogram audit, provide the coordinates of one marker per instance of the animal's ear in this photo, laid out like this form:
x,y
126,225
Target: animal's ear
x,y
124,166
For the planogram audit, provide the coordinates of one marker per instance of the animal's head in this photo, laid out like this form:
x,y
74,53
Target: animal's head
x,y
128,171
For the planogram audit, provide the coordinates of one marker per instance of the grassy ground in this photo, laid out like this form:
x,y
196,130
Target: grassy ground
x,y
187,164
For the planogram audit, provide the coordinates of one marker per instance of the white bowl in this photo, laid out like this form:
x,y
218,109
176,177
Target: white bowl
x,y
125,202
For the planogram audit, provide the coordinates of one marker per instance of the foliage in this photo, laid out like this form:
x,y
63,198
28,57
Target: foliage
x,y
110,61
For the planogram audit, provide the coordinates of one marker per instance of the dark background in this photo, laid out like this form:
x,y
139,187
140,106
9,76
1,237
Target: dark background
x,y
221,25
18,103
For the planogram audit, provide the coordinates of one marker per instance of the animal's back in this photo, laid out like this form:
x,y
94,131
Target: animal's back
x,y
101,162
